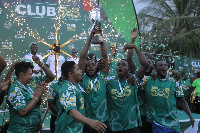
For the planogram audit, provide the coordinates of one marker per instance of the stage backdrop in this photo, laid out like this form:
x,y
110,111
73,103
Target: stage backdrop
x,y
25,21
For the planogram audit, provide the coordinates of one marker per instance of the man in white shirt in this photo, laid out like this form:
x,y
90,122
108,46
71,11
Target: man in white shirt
x,y
74,56
51,64
37,70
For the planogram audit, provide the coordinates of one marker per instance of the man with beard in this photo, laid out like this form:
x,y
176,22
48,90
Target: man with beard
x,y
23,100
160,94
71,106
37,69
123,109
94,84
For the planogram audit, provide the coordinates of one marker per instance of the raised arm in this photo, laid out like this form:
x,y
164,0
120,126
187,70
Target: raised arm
x,y
49,75
3,63
4,85
84,51
104,56
9,74
142,59
134,34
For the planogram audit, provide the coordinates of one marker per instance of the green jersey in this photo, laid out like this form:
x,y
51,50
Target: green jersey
x,y
160,95
185,85
123,107
53,92
36,80
95,98
70,97
18,98
113,65
196,84
141,100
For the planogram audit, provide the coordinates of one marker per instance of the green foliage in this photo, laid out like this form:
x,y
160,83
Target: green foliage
x,y
177,20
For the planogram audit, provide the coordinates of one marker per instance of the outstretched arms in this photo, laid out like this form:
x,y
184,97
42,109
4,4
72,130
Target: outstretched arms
x,y
142,59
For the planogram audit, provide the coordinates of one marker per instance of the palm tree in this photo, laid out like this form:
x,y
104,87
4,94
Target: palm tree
x,y
178,18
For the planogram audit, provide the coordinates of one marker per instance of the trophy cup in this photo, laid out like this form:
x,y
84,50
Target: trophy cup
x,y
97,37
95,20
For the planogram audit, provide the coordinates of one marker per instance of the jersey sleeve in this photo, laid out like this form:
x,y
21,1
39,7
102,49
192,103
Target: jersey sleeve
x,y
13,79
17,99
68,99
179,90
143,82
51,93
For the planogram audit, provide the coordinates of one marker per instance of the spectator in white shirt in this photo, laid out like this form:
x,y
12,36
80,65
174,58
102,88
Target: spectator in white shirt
x,y
37,71
51,64
74,56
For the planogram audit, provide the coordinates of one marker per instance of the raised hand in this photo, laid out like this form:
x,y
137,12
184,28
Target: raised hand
x,y
128,46
4,85
40,90
100,65
134,33
131,79
113,47
96,30
36,59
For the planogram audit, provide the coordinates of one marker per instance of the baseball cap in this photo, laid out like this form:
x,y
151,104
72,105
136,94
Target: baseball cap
x,y
27,60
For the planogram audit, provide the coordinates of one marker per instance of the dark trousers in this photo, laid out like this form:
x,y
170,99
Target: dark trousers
x,y
52,123
132,130
146,126
197,105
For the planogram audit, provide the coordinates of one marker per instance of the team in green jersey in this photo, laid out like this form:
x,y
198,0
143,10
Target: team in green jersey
x,y
88,99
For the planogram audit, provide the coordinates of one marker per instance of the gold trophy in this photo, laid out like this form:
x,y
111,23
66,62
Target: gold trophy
x,y
97,38
95,20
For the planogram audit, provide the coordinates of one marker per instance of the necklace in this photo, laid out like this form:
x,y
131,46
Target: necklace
x,y
92,84
74,87
120,87
28,89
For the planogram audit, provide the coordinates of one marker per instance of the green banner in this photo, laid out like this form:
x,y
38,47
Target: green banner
x,y
122,15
